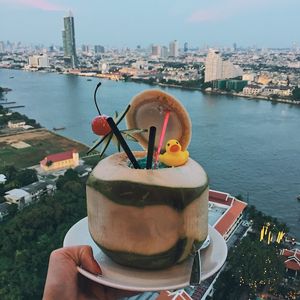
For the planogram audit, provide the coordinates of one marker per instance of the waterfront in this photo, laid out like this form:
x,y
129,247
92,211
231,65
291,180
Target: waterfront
x,y
246,147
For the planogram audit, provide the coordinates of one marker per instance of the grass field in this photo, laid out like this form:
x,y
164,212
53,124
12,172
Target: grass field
x,y
43,143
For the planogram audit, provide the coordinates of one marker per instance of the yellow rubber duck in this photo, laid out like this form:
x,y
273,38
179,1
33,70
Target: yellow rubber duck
x,y
174,157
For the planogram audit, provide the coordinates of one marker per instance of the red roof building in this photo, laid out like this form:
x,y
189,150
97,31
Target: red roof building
x,y
62,160
220,197
176,295
293,259
232,216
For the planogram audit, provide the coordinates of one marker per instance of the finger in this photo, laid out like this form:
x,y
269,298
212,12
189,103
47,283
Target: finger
x,y
88,261
83,256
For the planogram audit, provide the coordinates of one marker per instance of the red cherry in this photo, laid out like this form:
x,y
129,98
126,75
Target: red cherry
x,y
100,125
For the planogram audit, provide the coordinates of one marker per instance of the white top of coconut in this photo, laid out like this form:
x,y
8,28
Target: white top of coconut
x,y
115,167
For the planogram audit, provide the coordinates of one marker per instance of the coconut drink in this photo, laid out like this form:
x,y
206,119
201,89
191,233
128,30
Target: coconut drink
x,y
150,218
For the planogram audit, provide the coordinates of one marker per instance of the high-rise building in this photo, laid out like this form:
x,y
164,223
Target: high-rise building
x,y
213,66
38,61
174,48
186,47
85,48
156,51
216,68
2,47
68,35
234,47
99,49
164,52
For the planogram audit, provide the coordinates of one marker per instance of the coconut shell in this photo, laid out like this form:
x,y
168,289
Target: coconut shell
x,y
147,219
149,108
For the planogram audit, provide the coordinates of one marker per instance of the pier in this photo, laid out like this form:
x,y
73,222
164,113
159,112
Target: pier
x,y
11,102
16,106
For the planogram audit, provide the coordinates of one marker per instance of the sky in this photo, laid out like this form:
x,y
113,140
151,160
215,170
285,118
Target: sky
x,y
128,23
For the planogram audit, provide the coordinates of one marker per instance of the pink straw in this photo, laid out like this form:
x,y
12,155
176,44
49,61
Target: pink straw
x,y
162,136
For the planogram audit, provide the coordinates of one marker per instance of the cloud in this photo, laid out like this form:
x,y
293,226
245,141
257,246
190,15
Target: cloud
x,y
225,9
38,4
205,16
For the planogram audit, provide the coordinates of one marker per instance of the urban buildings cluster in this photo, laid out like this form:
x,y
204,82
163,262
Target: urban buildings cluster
x,y
251,72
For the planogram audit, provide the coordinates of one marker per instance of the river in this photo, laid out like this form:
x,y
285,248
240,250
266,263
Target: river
x,y
248,147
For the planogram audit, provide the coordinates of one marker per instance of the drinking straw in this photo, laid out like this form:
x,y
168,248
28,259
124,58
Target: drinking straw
x,y
123,143
162,135
151,143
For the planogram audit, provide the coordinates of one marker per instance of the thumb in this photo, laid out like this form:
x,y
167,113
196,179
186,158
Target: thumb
x,y
83,256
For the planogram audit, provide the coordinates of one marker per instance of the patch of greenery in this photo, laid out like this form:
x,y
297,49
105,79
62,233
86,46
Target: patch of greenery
x,y
16,178
296,94
253,265
27,239
16,116
40,147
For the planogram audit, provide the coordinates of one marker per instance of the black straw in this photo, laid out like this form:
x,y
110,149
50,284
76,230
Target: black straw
x,y
123,143
95,97
151,142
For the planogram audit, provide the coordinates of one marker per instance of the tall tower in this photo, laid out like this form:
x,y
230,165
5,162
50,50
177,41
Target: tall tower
x,y
213,66
174,48
156,50
217,68
68,35
186,47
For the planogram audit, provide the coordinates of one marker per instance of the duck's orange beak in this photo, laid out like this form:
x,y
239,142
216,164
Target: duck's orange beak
x,y
174,148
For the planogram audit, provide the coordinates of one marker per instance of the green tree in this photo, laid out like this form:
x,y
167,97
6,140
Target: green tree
x,y
10,172
255,264
12,209
251,267
296,93
2,190
70,175
260,219
27,240
26,176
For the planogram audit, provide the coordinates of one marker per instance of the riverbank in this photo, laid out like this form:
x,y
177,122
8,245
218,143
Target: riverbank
x,y
118,77
249,97
5,90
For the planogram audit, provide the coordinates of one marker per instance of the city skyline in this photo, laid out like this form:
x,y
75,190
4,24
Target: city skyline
x,y
267,23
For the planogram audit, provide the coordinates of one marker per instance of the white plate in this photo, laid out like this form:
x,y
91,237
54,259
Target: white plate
x,y
176,277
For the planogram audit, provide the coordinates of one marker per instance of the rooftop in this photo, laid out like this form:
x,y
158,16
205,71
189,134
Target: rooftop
x,y
224,210
230,217
35,187
59,156
16,194
214,213
2,178
293,259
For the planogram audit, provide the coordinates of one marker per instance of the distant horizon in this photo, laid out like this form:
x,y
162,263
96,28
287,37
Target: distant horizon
x,y
191,47
115,24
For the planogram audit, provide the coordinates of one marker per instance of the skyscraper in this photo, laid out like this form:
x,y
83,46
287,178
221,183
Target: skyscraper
x,y
164,52
186,47
156,50
99,49
213,66
68,35
217,68
173,46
